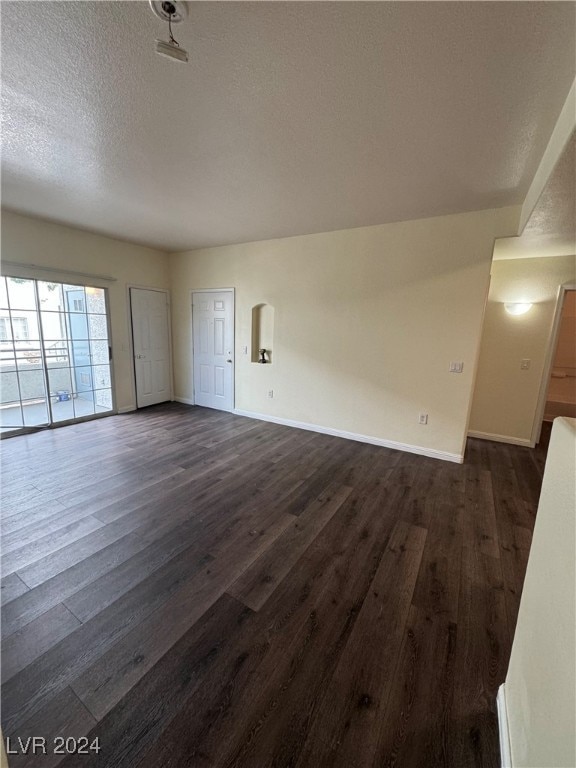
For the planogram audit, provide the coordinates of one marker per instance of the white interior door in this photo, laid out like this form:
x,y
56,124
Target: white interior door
x,y
213,325
151,339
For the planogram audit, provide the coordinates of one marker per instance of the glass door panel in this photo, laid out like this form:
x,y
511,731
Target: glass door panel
x,y
54,353
23,380
21,293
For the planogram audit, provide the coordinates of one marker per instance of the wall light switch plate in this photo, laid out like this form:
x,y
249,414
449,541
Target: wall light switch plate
x,y
423,418
244,350
456,367
525,364
270,393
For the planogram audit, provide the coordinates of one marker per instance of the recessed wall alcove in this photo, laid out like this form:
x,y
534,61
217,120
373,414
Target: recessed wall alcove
x,y
262,331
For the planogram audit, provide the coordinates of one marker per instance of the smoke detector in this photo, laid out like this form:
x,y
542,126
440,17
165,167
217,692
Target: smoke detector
x,y
172,11
175,11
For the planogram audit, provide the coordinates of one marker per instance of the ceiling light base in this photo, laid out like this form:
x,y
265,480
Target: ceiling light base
x,y
172,10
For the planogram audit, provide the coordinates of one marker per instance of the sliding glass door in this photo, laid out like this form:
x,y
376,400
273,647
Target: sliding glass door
x,y
54,353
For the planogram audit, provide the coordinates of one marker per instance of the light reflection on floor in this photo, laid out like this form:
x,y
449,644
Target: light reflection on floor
x,y
36,414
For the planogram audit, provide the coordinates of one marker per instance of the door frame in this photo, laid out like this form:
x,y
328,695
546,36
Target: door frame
x,y
215,290
549,359
129,286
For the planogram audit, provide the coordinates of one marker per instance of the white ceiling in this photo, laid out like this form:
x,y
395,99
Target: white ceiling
x,y
551,228
290,118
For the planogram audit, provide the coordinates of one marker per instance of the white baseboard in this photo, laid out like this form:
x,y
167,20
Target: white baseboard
x,y
431,452
502,438
185,400
127,409
503,732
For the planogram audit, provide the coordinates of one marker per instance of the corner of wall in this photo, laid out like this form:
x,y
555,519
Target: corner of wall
x,y
563,130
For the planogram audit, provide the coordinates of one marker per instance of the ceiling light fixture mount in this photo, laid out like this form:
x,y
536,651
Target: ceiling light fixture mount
x,y
175,11
172,11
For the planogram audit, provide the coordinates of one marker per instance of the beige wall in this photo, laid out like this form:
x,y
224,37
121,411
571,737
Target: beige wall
x,y
366,323
540,688
505,396
28,240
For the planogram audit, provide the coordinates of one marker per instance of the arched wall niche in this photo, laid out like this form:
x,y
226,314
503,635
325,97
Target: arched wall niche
x,y
262,331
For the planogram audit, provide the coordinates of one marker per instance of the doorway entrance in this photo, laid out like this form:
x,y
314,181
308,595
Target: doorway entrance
x,y
561,395
55,355
213,338
558,389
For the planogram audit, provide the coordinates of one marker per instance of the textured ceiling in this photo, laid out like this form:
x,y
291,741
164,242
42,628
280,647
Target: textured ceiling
x,y
289,118
551,228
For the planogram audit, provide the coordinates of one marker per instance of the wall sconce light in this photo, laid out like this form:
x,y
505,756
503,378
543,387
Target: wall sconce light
x,y
519,308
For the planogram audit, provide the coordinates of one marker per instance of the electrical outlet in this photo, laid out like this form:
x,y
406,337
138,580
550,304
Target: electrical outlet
x,y
270,393
423,418
525,364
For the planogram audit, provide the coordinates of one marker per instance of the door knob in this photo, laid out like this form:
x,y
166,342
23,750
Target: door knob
x,y
228,361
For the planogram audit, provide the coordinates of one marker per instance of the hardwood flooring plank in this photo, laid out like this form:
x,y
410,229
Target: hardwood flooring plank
x,y
417,726
133,726
106,682
437,588
225,436
12,587
344,730
37,637
479,517
99,469
35,602
481,657
32,688
20,559
139,479
527,474
20,518
417,506
514,524
32,532
288,649
515,548
112,585
258,582
311,488
147,498
33,504
19,496
287,444
64,716
75,552
71,459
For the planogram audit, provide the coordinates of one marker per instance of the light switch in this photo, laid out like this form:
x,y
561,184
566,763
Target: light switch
x,y
525,364
244,350
456,367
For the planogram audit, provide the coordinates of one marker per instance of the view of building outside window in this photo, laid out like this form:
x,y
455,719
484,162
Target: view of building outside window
x,y
54,351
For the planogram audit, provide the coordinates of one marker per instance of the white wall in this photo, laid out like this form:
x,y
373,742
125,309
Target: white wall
x,y
505,396
29,240
366,323
540,687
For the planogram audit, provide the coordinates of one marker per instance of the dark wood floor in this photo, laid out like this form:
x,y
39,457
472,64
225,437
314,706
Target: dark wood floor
x,y
202,590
